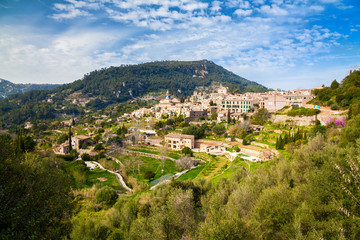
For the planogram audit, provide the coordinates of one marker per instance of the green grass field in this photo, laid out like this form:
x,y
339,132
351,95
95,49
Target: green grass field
x,y
88,178
111,180
147,164
192,174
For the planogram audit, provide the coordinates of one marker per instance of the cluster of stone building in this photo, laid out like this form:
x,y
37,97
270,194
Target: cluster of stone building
x,y
202,104
76,143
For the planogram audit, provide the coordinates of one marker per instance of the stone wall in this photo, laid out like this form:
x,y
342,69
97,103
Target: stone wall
x,y
305,120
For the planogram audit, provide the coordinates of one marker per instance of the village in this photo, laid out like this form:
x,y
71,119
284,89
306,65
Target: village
x,y
217,106
212,130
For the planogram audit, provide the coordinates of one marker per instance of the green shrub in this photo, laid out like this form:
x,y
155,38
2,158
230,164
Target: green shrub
x,y
98,147
236,148
187,151
86,157
334,107
301,111
149,175
106,195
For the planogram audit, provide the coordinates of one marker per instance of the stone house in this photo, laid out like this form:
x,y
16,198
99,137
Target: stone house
x,y
78,141
63,148
178,141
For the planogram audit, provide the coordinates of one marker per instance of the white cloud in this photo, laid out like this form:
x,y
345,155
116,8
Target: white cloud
x,y
316,8
241,12
70,12
194,6
273,10
258,42
215,6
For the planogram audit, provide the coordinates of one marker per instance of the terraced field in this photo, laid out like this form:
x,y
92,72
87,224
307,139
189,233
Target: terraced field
x,y
215,167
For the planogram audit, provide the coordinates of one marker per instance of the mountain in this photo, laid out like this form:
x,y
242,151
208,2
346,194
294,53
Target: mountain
x,y
8,88
112,85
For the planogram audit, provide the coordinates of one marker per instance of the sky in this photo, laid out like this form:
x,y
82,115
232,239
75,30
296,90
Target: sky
x,y
282,44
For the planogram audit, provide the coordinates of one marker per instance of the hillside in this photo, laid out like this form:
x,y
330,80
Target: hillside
x,y
344,95
8,88
112,85
116,84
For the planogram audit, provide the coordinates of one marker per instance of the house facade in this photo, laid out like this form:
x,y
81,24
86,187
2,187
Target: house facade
x,y
178,141
78,141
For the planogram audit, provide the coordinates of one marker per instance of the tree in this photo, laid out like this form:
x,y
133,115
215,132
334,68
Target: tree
x,y
63,137
334,85
106,195
261,116
99,147
187,151
97,138
35,200
70,143
149,175
228,117
214,116
218,129
198,132
115,140
85,157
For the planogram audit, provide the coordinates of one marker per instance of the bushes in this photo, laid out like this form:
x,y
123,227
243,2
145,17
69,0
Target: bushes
x,y
86,157
187,151
334,107
236,148
296,111
261,117
106,195
98,147
149,175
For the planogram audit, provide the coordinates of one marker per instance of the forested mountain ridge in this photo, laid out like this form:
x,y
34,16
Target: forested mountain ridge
x,y
106,86
345,95
8,88
179,77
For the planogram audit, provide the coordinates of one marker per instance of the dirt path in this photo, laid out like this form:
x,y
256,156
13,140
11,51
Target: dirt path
x,y
119,177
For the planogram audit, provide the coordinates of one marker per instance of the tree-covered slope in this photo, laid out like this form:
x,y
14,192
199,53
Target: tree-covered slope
x,y
344,95
8,88
180,78
101,88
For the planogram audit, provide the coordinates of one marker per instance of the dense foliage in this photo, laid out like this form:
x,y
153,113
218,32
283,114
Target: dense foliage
x,y
117,84
301,111
344,95
35,197
319,181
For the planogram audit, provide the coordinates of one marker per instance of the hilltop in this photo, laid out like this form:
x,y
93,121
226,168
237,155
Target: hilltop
x,y
8,88
101,88
344,95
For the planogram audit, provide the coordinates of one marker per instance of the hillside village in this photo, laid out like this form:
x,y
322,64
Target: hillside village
x,y
165,120
212,121
208,140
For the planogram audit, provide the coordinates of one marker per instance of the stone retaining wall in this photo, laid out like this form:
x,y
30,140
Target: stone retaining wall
x,y
305,120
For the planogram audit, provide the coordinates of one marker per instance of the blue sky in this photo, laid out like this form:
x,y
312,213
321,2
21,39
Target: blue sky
x,y
287,44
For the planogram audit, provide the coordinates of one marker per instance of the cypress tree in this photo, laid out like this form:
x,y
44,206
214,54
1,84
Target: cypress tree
x,y
70,146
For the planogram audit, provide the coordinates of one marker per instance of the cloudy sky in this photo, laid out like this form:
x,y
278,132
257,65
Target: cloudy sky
x,y
287,44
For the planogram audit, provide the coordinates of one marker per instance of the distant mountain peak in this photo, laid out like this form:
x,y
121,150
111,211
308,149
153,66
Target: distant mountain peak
x,y
8,88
